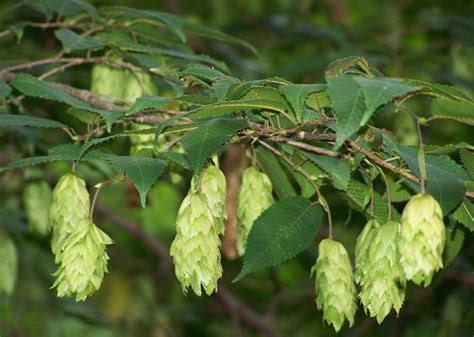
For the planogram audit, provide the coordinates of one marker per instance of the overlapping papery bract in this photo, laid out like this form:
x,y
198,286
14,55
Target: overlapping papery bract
x,y
213,188
381,276
8,264
335,287
70,206
37,198
255,196
83,261
196,247
362,247
422,239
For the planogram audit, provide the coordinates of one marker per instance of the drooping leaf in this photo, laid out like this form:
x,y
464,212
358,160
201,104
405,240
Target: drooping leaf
x,y
454,240
142,171
31,86
296,94
381,210
464,214
5,89
358,194
201,143
271,166
452,109
445,178
378,92
72,41
148,102
280,233
348,102
467,158
226,108
8,120
339,170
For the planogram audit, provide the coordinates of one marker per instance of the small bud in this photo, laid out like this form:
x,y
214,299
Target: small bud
x,y
196,247
8,264
83,261
255,196
70,206
422,239
382,279
335,288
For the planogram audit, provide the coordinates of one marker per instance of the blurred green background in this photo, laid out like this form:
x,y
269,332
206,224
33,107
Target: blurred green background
x,y
432,40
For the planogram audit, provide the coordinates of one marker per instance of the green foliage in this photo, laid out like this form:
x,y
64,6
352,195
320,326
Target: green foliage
x,y
281,232
7,120
208,138
142,171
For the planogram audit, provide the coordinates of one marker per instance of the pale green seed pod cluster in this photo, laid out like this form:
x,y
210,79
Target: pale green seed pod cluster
x,y
78,244
69,207
213,187
107,80
381,276
255,196
422,239
335,287
362,247
83,261
8,264
196,247
37,198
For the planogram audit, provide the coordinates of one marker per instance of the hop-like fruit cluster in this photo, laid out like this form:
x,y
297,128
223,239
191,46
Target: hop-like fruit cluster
x,y
255,196
8,264
381,276
37,198
213,188
78,244
70,206
362,246
335,287
196,247
83,261
422,239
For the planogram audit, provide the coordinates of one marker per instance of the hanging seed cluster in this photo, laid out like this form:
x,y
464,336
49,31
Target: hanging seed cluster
x,y
196,247
78,244
386,257
255,196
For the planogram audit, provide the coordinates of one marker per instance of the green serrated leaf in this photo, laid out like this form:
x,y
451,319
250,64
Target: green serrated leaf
x,y
31,86
445,178
7,120
348,102
381,210
225,108
280,233
339,170
296,94
271,166
72,41
467,158
464,214
378,92
5,89
453,244
209,137
359,195
142,171
148,102
460,111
